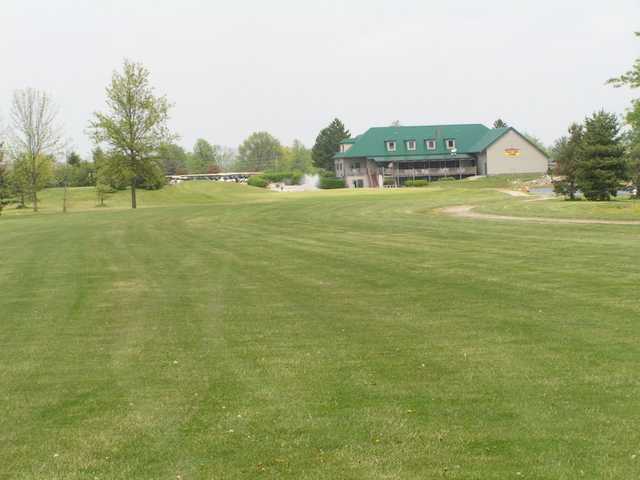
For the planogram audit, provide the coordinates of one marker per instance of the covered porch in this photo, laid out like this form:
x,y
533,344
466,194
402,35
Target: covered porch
x,y
458,166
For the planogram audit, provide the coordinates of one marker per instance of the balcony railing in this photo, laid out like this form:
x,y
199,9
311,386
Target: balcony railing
x,y
413,172
435,172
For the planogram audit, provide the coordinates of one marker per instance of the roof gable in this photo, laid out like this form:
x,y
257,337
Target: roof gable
x,y
492,136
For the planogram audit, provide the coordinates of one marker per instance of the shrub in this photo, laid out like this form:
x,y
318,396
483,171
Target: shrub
x,y
416,183
290,178
328,183
389,181
447,179
258,181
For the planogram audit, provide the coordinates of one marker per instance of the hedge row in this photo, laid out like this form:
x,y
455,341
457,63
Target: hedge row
x,y
328,183
416,183
258,181
290,178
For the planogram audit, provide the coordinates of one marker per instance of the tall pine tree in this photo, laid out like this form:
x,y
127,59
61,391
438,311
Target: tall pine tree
x,y
328,144
566,155
602,167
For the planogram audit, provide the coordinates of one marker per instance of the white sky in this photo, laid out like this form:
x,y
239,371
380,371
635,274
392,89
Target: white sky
x,y
290,66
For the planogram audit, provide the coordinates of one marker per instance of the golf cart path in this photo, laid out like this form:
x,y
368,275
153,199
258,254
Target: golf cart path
x,y
466,211
513,193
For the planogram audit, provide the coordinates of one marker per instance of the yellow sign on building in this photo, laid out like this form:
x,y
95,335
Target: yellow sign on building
x,y
512,152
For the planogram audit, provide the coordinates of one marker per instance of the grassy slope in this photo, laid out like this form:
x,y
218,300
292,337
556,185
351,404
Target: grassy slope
x,y
619,209
236,333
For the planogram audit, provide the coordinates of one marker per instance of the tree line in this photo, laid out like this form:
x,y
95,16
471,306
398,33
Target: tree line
x,y
133,146
601,155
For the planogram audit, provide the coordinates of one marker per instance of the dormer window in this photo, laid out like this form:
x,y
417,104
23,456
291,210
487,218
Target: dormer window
x,y
411,145
451,143
391,146
430,144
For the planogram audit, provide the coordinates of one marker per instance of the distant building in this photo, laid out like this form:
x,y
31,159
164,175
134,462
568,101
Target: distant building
x,y
393,155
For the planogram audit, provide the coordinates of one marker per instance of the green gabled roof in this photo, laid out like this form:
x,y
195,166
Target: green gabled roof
x,y
488,139
372,142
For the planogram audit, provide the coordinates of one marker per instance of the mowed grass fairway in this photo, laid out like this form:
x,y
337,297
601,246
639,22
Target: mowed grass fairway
x,y
226,332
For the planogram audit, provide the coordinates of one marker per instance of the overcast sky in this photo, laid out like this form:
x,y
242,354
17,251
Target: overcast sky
x,y
290,66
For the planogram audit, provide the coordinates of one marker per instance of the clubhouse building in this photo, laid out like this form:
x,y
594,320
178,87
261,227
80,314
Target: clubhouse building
x,y
392,155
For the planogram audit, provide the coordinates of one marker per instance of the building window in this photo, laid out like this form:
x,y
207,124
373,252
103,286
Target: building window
x,y
431,144
411,145
451,143
391,146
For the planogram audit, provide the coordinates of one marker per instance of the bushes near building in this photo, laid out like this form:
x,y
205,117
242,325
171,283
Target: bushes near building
x,y
263,180
416,183
258,181
329,183
289,178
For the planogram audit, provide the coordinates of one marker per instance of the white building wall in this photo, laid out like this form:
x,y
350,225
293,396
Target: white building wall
x,y
482,163
528,159
357,169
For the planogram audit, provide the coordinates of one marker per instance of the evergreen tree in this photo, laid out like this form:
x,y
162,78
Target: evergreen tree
x,y
566,155
602,167
328,144
73,159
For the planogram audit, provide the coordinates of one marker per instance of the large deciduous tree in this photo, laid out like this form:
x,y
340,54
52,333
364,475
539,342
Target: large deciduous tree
x,y
297,157
602,167
499,123
204,158
173,159
633,147
260,152
134,126
35,138
226,157
631,79
566,153
328,143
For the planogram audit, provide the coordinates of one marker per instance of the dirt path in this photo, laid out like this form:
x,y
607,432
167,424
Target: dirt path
x,y
513,193
466,211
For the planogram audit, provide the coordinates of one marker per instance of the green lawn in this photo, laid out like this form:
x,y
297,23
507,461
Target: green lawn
x,y
229,332
617,209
